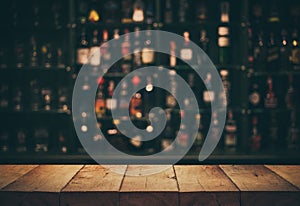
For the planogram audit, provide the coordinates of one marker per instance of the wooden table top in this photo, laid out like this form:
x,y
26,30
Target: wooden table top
x,y
179,185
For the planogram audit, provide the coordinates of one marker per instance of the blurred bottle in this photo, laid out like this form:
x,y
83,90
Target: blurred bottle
x,y
94,52
201,12
168,18
126,11
273,53
82,49
270,99
100,104
284,50
256,138
4,141
230,132
41,139
94,11
148,54
21,140
290,97
293,139
34,53
4,95
186,52
138,11
224,34
19,54
47,55
111,14
255,97
295,54
35,100
47,98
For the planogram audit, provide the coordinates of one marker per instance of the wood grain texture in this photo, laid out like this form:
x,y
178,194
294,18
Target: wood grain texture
x,y
260,186
291,173
156,189
205,185
40,186
10,173
94,185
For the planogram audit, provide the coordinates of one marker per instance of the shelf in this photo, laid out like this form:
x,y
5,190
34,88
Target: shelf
x,y
272,73
38,112
216,158
39,69
219,67
267,110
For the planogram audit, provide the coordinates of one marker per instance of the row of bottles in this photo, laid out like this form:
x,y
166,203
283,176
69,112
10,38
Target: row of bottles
x,y
33,97
273,43
33,14
95,52
273,92
41,139
269,132
33,54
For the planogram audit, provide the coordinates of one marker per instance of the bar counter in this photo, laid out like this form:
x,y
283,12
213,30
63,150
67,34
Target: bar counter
x,y
178,185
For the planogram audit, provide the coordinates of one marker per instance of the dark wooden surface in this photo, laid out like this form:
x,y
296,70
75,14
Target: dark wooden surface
x,y
90,185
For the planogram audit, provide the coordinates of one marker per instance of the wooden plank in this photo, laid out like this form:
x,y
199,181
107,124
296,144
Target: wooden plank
x,y
10,173
94,185
291,173
40,186
156,189
205,185
260,186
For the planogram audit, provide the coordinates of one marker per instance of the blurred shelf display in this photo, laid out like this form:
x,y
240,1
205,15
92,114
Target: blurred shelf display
x,y
254,46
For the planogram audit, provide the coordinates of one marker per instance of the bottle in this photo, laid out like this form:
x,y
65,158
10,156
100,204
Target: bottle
x,y
111,14
170,98
295,54
135,106
62,142
47,98
47,57
225,97
274,16
168,18
116,52
148,51
138,11
100,103
126,11
82,12
168,133
183,7
272,53
21,140
186,53
224,35
293,140
19,54
41,139
199,140
273,131
208,93
36,14
230,134
4,141
172,59
82,50
104,50
127,57
204,41
123,103
201,12
254,97
256,138
35,95
187,100
215,128
60,58
270,99
94,11
57,15
111,103
183,137
137,58
34,58
63,98
95,50
3,58
150,12
250,55
260,51
284,50
290,97
18,99
257,16
4,95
